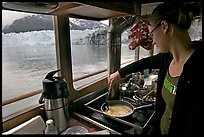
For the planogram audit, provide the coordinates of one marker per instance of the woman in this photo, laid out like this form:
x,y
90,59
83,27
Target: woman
x,y
179,92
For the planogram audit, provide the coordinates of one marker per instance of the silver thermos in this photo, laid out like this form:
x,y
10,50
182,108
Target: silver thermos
x,y
55,97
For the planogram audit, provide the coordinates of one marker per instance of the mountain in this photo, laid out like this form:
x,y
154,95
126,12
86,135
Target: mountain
x,y
30,23
81,24
45,22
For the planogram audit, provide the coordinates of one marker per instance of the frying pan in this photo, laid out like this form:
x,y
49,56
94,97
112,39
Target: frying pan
x,y
120,108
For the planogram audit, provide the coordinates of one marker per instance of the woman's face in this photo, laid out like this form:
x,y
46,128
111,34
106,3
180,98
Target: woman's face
x,y
159,38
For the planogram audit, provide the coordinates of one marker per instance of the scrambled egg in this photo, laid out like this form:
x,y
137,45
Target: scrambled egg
x,y
119,111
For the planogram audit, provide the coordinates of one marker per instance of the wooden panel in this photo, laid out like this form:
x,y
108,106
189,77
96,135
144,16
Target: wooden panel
x,y
94,12
97,10
22,116
123,7
64,8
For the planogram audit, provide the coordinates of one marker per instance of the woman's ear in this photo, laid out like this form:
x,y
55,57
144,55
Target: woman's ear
x,y
165,26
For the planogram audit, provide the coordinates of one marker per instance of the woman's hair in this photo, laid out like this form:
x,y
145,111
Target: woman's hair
x,y
178,13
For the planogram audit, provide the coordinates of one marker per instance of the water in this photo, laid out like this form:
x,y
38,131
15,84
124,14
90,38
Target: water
x,y
26,66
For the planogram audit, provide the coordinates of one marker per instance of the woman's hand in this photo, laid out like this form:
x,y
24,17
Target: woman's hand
x,y
113,79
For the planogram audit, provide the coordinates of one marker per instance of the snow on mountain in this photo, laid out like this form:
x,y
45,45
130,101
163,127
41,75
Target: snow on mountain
x,y
88,24
45,22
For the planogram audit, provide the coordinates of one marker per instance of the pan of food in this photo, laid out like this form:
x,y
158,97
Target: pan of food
x,y
120,108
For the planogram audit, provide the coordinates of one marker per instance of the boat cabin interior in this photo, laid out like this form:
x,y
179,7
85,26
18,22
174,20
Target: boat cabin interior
x,y
84,103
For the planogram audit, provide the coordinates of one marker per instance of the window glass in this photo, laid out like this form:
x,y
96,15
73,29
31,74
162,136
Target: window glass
x,y
195,30
89,51
28,54
143,53
127,55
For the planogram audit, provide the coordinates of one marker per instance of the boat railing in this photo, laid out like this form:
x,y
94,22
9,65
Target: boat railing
x,y
33,93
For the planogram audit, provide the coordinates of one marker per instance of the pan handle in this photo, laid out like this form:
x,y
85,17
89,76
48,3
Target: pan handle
x,y
143,106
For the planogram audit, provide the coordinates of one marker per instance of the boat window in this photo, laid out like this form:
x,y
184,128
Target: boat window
x,y
195,30
127,55
28,54
89,51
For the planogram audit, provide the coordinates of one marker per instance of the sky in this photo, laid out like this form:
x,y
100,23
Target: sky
x,y
8,17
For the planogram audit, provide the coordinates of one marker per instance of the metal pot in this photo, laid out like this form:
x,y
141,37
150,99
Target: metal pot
x,y
128,90
119,108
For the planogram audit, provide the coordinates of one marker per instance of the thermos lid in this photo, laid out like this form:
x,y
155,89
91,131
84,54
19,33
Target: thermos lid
x,y
49,121
51,74
54,87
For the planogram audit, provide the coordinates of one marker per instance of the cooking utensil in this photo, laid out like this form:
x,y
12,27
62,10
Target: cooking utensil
x,y
119,108
148,94
108,95
145,95
106,106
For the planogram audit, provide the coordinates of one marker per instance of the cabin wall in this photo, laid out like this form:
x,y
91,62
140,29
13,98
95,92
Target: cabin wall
x,y
22,116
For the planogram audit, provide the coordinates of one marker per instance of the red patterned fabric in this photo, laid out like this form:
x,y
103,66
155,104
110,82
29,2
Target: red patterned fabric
x,y
140,36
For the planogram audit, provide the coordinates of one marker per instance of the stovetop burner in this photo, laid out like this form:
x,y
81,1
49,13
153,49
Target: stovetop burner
x,y
137,123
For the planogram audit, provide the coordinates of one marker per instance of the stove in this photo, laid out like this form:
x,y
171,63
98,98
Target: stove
x,y
137,123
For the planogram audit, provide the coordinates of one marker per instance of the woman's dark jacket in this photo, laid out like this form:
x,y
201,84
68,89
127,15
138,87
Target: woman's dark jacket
x,y
187,116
